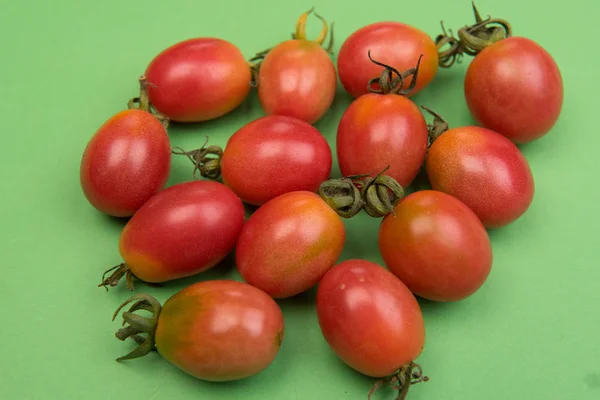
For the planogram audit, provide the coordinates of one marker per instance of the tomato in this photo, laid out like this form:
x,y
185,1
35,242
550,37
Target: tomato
x,y
297,78
515,88
289,243
125,163
182,231
393,43
274,155
436,245
369,318
484,170
215,330
198,79
377,131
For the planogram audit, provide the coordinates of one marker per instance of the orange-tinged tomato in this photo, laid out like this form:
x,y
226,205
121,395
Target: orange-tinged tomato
x,y
289,243
436,245
220,330
297,78
125,163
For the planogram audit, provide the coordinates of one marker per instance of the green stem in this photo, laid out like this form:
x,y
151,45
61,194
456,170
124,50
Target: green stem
x,y
438,127
135,325
391,81
483,33
408,375
206,160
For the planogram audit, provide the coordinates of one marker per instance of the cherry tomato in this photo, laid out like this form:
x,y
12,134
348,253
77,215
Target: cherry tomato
x,y
289,243
393,43
215,330
515,88
369,318
297,78
274,155
125,163
484,170
377,131
182,231
198,80
436,245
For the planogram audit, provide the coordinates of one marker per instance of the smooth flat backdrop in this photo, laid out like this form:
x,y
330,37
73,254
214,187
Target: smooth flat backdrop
x,y
532,332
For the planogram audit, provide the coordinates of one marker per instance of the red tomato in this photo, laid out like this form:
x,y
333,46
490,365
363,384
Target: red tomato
x,y
380,130
198,80
126,162
182,231
369,318
217,330
289,243
297,78
515,88
392,43
436,245
484,170
274,155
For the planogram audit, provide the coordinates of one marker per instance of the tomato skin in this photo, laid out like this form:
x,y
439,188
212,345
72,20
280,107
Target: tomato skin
x,y
220,330
289,243
126,162
274,155
198,79
392,43
182,231
436,246
297,78
515,88
484,170
380,130
369,318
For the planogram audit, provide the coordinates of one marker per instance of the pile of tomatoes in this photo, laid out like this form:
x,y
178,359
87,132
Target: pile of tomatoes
x,y
434,242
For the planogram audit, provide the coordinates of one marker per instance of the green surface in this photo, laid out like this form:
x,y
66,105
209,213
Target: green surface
x,y
532,332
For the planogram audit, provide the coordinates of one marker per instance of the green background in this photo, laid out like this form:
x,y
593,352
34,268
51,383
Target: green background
x,y
532,331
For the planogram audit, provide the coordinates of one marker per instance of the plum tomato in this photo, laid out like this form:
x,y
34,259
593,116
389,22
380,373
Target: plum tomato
x,y
396,44
274,155
514,87
289,243
484,170
217,331
182,231
370,318
267,157
377,131
198,79
436,246
125,163
297,78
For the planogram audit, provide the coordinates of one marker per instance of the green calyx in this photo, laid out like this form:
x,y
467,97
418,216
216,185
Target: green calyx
x,y
143,103
376,195
401,381
140,329
437,127
116,274
391,81
206,160
471,39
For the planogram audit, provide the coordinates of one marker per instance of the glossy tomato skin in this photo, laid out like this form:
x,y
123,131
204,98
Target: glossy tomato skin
x,y
182,231
297,78
126,162
289,243
198,79
369,318
380,130
484,170
274,155
436,246
393,43
220,330
515,88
